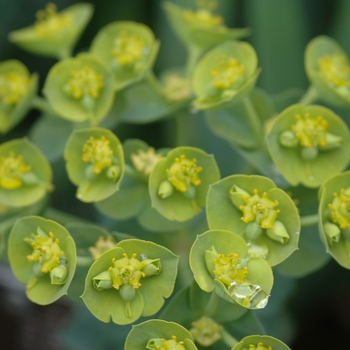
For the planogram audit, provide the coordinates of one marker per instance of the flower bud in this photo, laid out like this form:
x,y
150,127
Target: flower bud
x,y
152,267
165,189
278,232
58,275
102,281
332,231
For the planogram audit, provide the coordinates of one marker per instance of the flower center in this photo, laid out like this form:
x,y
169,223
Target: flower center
x,y
50,22
46,250
101,246
184,172
176,88
12,169
163,344
336,70
205,331
144,161
85,82
311,132
13,87
259,209
128,48
229,269
228,73
204,14
260,346
98,152
340,208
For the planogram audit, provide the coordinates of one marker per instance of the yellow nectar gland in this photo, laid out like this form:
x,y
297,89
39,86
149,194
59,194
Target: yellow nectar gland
x,y
12,168
184,172
46,251
228,73
49,22
311,132
128,48
13,86
260,346
144,161
163,344
259,209
127,271
340,208
98,152
205,331
229,269
85,82
335,70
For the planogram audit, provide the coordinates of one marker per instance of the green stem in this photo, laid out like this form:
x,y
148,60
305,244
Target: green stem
x,y
42,105
193,55
309,220
84,261
309,97
228,339
212,304
253,119
183,132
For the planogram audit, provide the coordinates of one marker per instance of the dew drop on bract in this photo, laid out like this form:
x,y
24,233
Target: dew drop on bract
x,y
248,295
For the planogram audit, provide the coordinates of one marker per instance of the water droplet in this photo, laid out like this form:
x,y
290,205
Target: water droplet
x,y
297,232
248,295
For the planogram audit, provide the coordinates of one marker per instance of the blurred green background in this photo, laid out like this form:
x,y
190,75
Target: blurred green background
x,y
313,311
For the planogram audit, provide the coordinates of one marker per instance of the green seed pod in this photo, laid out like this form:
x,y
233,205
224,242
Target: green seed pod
x,y
219,261
42,255
17,89
103,281
25,174
323,144
54,34
225,75
95,163
189,171
245,203
128,48
80,89
159,334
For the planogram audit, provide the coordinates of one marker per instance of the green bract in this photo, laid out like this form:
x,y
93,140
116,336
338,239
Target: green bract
x,y
94,162
200,28
334,212
159,335
25,175
179,183
80,89
328,69
128,48
308,144
130,281
220,262
42,255
254,208
54,34
260,342
225,74
17,88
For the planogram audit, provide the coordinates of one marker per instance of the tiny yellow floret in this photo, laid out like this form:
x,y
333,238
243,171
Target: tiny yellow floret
x,y
336,70
205,331
98,152
101,246
49,22
85,82
144,161
13,86
184,172
176,88
228,73
260,346
340,208
12,168
128,48
204,15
